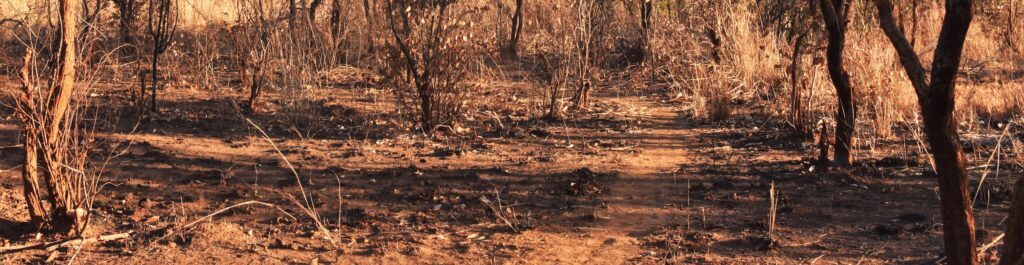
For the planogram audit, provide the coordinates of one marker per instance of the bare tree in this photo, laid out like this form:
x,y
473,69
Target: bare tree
x,y
937,99
253,50
509,46
367,5
49,119
1011,27
646,12
836,13
583,36
794,21
163,24
336,27
30,170
796,109
431,54
293,11
127,11
91,15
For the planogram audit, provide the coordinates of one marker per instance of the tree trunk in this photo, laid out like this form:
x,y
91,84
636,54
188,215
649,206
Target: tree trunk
x,y
426,106
1013,247
256,79
335,21
646,9
835,13
797,112
155,63
313,6
61,190
553,104
30,170
716,44
937,99
516,28
369,25
1010,26
126,10
127,14
913,23
292,12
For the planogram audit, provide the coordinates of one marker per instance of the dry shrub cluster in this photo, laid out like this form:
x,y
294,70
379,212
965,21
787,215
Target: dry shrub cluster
x,y
432,50
713,53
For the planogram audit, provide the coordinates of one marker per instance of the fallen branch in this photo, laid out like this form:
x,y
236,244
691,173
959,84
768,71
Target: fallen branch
x,y
208,216
83,241
51,246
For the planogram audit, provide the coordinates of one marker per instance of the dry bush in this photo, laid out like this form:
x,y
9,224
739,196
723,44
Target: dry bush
x,y
59,182
161,27
430,53
713,53
551,40
252,47
55,150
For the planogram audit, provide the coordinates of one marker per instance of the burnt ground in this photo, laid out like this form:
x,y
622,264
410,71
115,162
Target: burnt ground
x,y
632,180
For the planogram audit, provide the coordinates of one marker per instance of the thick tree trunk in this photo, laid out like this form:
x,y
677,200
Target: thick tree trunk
x,y
835,14
62,192
1013,247
66,68
937,100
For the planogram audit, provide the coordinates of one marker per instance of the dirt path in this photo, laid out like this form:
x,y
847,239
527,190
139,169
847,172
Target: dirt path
x,y
631,181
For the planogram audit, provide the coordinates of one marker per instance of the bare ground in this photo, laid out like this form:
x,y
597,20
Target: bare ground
x,y
633,180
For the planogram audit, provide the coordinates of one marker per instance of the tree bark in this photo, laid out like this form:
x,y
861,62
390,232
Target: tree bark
x,y
313,6
1013,247
335,21
292,12
937,99
30,169
646,9
797,112
156,76
61,191
369,26
511,48
835,13
1010,26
